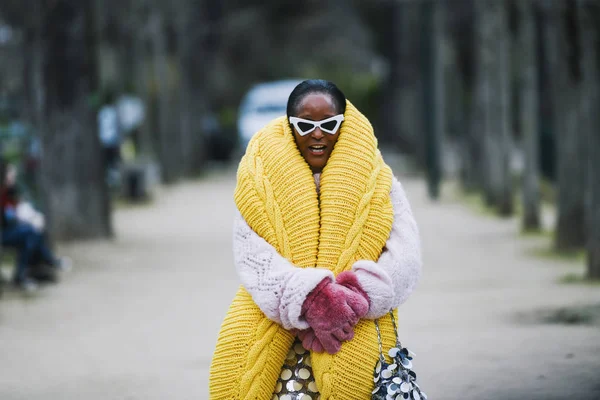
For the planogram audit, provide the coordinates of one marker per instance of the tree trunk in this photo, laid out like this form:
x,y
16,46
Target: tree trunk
x,y
496,93
78,204
110,23
193,63
33,64
529,114
33,79
167,134
565,88
433,111
472,168
142,80
504,82
487,100
484,105
406,79
588,15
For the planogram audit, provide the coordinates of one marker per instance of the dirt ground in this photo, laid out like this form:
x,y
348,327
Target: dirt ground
x,y
138,317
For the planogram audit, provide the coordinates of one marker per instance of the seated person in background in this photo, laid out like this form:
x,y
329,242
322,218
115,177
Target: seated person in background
x,y
23,229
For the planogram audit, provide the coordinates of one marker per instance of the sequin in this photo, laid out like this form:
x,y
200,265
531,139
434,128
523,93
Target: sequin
x,y
304,373
405,387
293,386
296,380
308,360
299,349
286,374
395,381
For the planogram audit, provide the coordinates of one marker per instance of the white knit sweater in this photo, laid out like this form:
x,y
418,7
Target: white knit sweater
x,y
279,288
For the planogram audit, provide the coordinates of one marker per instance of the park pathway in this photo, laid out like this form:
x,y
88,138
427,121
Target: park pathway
x,y
138,317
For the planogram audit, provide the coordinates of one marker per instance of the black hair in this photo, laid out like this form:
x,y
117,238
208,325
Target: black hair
x,y
311,86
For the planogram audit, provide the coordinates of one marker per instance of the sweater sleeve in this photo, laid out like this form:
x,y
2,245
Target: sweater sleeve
x,y
277,286
389,281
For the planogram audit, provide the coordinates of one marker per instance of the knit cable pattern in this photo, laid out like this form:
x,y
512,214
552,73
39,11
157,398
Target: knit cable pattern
x,y
277,197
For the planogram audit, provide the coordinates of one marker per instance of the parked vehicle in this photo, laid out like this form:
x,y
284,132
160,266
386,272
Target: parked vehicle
x,y
261,104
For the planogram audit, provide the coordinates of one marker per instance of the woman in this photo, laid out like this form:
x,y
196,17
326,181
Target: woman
x,y
324,242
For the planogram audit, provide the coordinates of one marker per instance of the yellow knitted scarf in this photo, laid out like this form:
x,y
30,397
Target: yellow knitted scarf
x,y
277,197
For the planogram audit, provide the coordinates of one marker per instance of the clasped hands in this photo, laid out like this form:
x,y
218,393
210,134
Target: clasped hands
x,y
332,310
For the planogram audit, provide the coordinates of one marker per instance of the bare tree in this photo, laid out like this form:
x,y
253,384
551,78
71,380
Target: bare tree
x,y
72,170
561,47
167,132
406,78
470,55
494,89
588,16
434,116
529,114
482,114
194,63
142,75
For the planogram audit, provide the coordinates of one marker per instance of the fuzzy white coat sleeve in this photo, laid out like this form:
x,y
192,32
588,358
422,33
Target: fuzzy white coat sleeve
x,y
389,281
277,286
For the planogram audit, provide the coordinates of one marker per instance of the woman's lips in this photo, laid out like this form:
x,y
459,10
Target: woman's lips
x,y
317,149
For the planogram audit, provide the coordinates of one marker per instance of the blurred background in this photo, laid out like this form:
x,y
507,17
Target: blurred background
x,y
108,103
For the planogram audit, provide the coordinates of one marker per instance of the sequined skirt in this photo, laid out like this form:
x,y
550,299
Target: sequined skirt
x,y
296,380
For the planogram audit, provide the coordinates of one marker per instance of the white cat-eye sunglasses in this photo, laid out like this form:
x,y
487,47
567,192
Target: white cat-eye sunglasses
x,y
306,126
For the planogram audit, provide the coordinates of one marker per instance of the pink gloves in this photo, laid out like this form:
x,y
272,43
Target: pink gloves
x,y
332,310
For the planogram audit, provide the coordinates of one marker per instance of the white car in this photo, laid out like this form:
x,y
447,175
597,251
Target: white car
x,y
263,103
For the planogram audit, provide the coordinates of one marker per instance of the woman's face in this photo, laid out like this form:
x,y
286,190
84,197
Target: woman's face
x,y
316,147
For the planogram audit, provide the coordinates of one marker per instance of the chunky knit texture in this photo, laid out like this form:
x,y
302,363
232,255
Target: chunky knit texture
x,y
276,195
279,288
390,281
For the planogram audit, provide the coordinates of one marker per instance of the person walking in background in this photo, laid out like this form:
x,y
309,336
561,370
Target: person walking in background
x,y
109,129
324,243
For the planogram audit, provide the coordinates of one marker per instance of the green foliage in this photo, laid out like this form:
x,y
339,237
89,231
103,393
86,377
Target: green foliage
x,y
549,253
228,117
577,315
95,100
573,278
540,233
475,201
547,191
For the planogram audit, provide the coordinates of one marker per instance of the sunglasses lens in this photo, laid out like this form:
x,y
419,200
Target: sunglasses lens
x,y
330,126
304,126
